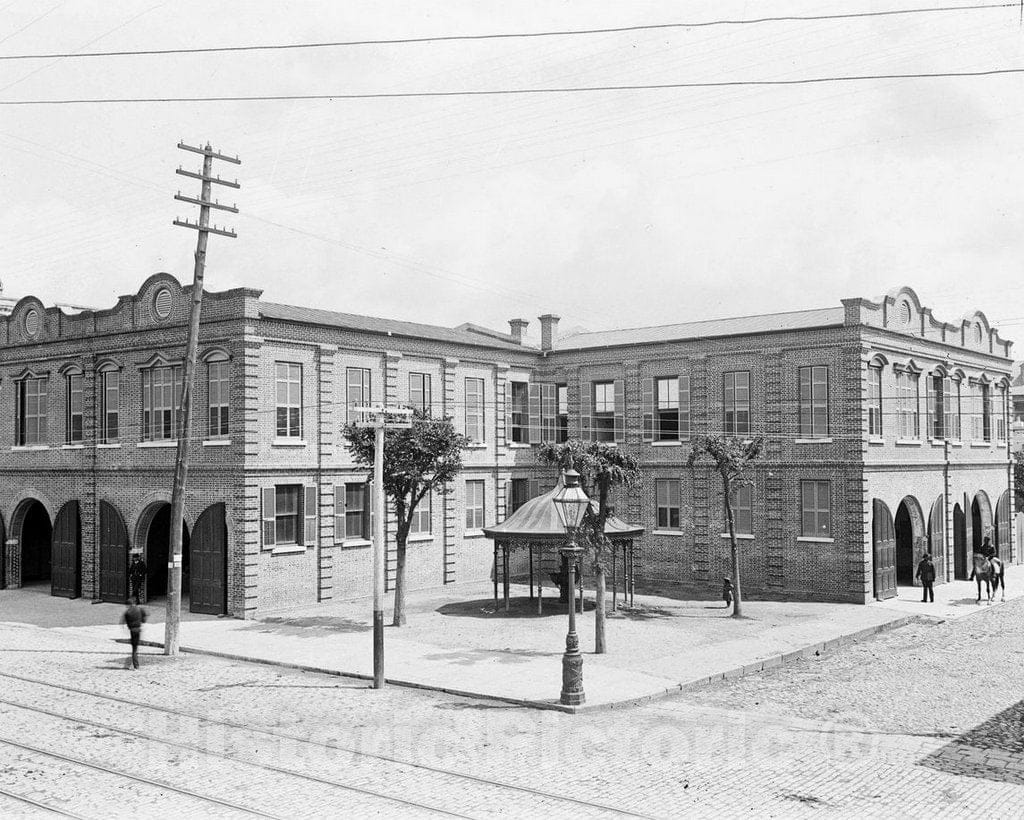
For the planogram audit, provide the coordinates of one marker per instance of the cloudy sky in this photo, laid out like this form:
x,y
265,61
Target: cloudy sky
x,y
611,208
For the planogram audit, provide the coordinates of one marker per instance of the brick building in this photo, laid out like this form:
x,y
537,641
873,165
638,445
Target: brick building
x,y
886,435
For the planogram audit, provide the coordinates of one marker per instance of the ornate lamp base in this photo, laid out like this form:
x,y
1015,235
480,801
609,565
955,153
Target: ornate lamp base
x,y
572,679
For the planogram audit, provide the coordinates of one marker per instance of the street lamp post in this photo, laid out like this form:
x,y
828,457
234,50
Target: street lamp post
x,y
572,503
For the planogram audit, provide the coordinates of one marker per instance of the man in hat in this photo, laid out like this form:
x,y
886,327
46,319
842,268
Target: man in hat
x,y
134,617
926,572
137,575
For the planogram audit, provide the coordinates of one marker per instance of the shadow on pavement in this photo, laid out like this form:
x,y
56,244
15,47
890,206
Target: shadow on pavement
x,y
304,624
993,750
469,657
518,607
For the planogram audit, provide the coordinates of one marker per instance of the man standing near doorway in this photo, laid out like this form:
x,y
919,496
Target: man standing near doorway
x,y
137,575
926,572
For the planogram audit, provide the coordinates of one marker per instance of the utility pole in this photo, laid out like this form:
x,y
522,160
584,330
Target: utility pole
x,y
383,418
204,228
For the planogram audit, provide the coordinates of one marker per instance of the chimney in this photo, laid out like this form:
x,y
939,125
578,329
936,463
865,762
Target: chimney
x,y
548,331
518,329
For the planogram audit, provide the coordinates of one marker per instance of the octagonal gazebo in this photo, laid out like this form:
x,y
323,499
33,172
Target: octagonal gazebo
x,y
536,527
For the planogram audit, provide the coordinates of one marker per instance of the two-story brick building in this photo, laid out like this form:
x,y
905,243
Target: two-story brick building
x,y
886,433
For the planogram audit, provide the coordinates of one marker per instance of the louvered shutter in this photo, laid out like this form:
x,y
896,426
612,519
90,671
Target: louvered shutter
x,y
620,410
309,514
534,408
548,410
647,397
534,487
508,499
586,408
505,388
269,516
339,513
930,422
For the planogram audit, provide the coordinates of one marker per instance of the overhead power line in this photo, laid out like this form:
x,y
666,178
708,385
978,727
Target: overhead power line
x,y
492,92
507,35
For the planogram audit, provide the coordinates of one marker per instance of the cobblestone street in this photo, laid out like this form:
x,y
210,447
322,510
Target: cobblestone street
x,y
922,721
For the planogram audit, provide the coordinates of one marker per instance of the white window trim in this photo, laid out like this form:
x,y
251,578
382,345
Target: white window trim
x,y
874,440
420,536
482,445
287,442
822,440
216,442
113,445
669,442
72,447
669,532
356,542
473,534
158,444
29,448
815,540
740,536
908,442
288,549
981,444
514,445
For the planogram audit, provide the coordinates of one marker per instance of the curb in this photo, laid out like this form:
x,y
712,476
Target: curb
x,y
799,654
737,672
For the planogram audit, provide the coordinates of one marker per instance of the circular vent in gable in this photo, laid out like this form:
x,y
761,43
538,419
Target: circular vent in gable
x,y
162,303
32,322
978,333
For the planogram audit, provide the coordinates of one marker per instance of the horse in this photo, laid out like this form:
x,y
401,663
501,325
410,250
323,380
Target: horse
x,y
998,578
984,570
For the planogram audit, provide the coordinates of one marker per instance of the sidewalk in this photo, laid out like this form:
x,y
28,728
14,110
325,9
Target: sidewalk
x,y
455,642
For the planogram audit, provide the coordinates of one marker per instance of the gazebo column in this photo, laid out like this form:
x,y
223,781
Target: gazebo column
x,y
615,580
531,571
632,573
505,574
496,576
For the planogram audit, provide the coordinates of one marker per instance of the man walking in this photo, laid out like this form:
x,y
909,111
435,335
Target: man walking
x,y
134,617
137,575
926,572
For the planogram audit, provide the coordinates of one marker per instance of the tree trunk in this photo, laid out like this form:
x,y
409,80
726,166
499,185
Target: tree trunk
x,y
736,606
600,587
399,619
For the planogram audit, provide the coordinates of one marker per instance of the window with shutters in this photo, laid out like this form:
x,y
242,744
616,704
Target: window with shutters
x,y
288,380
110,400
736,402
31,412
419,391
474,505
743,510
985,392
953,410
815,509
161,398
562,413
519,493
475,410
219,382
357,511
814,402
875,402
520,412
289,515
357,392
604,411
666,396
667,495
938,396
1001,412
420,521
73,417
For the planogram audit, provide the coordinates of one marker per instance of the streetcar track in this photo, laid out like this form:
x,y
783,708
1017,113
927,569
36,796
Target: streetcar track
x,y
337,747
225,756
40,805
160,784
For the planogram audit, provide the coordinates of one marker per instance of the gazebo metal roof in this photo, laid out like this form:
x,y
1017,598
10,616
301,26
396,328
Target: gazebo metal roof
x,y
537,521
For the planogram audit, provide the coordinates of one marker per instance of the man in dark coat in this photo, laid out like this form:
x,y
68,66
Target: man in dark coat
x,y
926,572
134,617
987,549
137,575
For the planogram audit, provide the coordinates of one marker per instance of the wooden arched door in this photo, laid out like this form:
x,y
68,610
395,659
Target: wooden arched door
x,y
208,589
113,555
66,553
883,536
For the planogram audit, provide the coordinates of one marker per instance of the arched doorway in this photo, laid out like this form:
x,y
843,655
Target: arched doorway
x,y
981,520
207,581
960,571
1003,546
157,551
35,535
903,524
936,538
66,560
3,554
883,539
113,555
